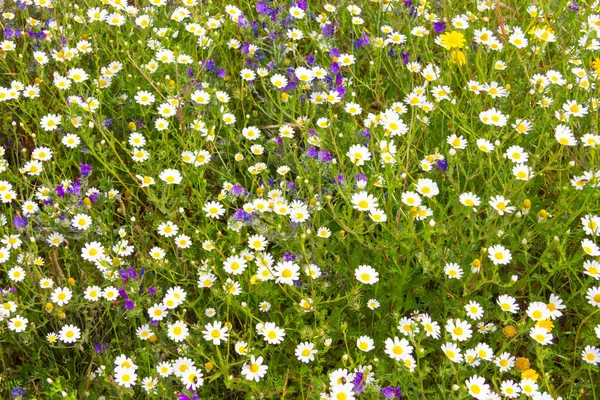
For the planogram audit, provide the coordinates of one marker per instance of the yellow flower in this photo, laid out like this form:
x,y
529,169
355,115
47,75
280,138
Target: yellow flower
x,y
509,331
531,374
546,324
452,40
458,57
522,364
596,65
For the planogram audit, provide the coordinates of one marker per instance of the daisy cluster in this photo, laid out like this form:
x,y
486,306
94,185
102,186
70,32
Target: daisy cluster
x,y
293,199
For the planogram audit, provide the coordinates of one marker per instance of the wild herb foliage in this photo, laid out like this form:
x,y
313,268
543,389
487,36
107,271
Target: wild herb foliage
x,y
274,199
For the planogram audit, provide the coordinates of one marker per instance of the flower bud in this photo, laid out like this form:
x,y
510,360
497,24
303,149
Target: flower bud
x,y
522,364
509,331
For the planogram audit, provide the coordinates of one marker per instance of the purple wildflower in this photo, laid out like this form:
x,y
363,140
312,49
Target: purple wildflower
x,y
85,170
129,305
221,73
236,190
334,68
20,222
398,391
359,384
97,347
132,274
328,29
124,275
17,392
439,27
442,164
242,21
246,48
94,197
388,392
190,72
60,191
122,290
262,8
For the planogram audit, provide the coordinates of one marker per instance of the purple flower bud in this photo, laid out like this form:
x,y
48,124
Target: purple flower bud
x,y
152,291
129,305
123,274
122,290
405,57
132,274
334,68
246,48
397,392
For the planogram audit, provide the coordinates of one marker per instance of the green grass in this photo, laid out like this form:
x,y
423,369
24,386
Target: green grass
x,y
550,234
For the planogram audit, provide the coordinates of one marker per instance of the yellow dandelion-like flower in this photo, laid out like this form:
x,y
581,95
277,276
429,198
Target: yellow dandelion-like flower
x,y
458,57
452,40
